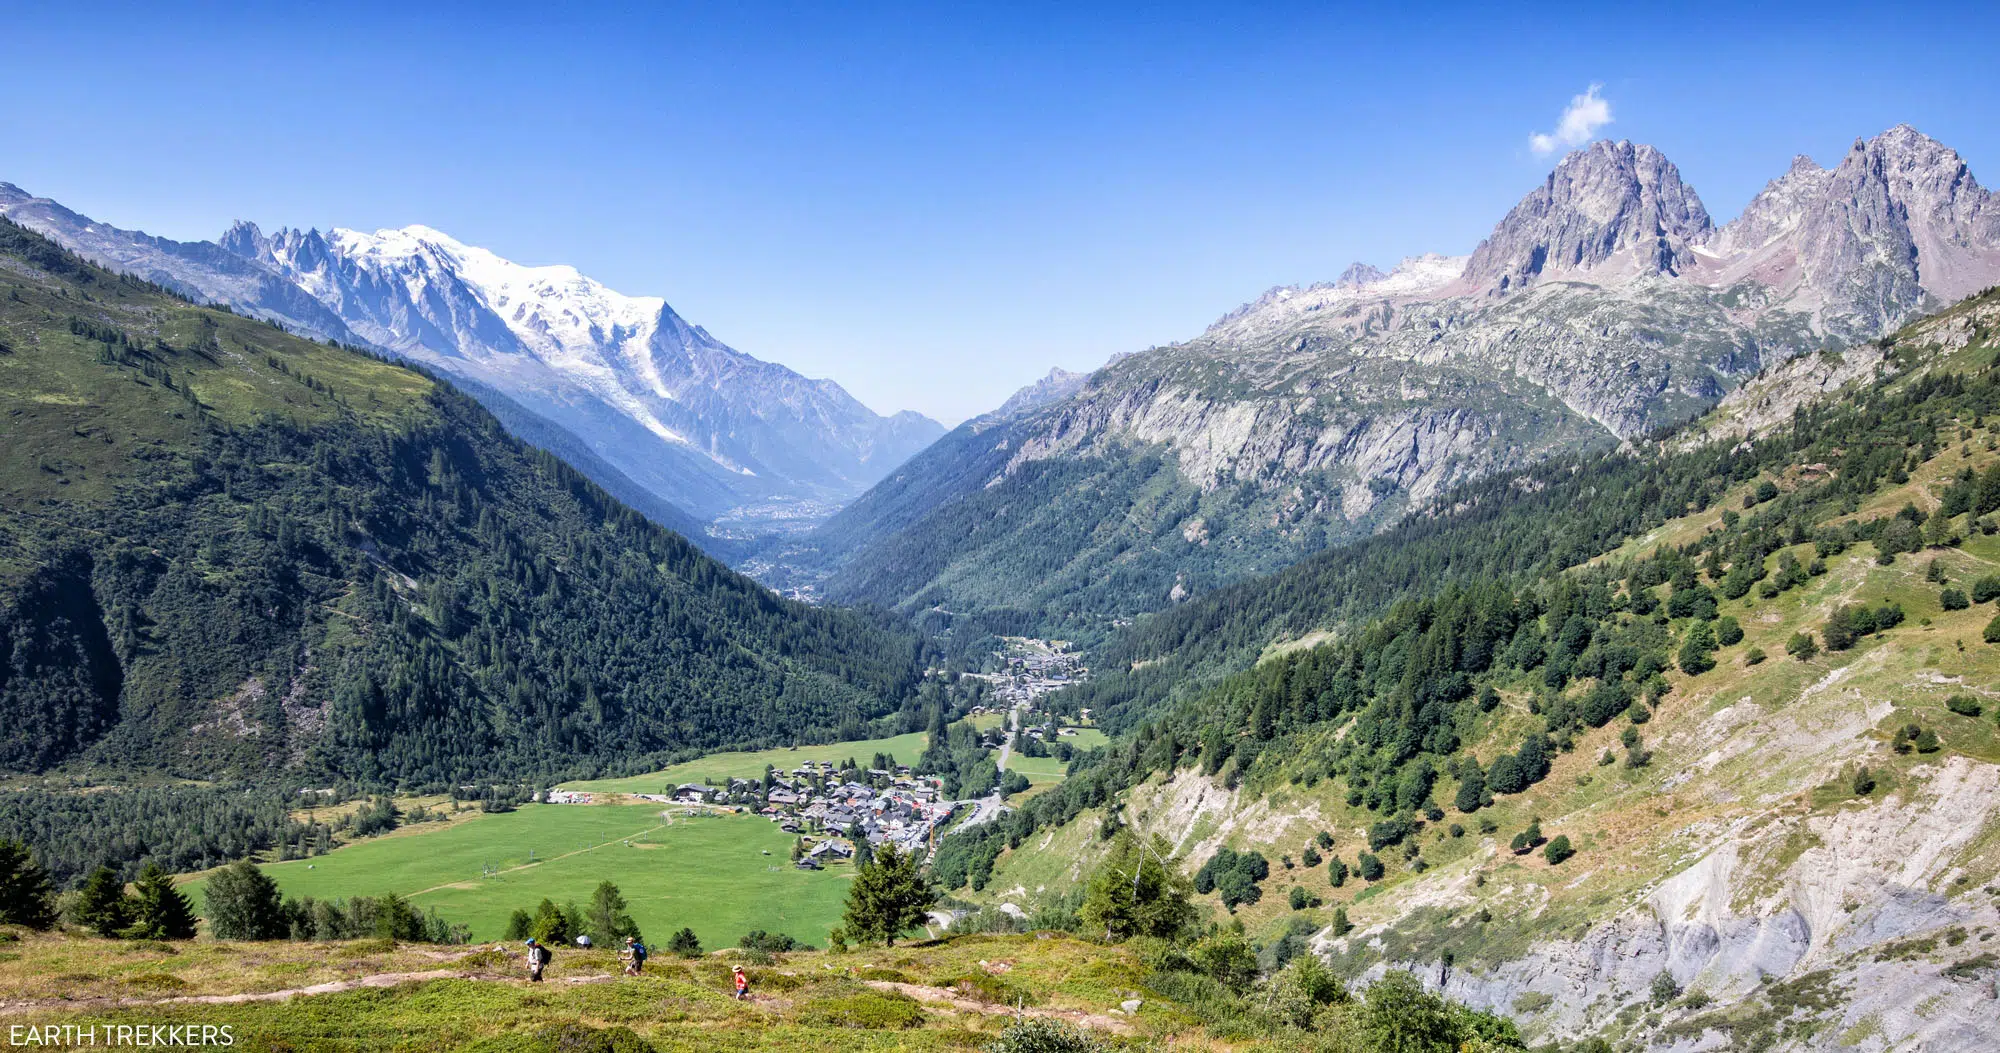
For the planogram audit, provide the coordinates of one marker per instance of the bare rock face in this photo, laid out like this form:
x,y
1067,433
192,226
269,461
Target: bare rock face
x,y
1606,202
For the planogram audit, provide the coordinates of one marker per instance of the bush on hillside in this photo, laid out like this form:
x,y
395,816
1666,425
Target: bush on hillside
x,y
1336,872
1039,1034
1371,868
243,904
1233,876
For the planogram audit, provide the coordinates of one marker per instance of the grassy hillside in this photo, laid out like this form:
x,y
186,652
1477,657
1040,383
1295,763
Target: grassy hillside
x,y
958,994
227,554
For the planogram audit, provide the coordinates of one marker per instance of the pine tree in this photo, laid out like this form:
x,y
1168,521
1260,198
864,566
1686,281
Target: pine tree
x,y
605,919
162,912
888,897
685,944
1133,893
102,905
26,895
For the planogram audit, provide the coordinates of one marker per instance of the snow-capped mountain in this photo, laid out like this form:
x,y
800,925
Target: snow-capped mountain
x,y
1606,303
605,364
620,384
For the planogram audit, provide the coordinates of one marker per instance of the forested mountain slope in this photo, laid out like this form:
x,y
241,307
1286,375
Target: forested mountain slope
x,y
227,550
1722,777
1605,305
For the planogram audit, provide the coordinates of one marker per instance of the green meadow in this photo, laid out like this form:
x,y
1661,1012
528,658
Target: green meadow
x,y
1049,769
719,767
709,873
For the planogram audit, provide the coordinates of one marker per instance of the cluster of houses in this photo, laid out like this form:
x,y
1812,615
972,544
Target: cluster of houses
x,y
882,806
826,805
1032,674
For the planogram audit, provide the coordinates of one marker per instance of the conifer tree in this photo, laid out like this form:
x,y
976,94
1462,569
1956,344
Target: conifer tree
x,y
887,898
26,894
606,919
161,912
102,905
1134,893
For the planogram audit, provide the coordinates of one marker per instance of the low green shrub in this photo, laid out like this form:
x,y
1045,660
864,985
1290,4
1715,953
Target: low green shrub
x,y
985,987
865,1008
1042,1035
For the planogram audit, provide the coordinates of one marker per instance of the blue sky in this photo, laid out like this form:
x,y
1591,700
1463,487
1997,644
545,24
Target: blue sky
x,y
934,205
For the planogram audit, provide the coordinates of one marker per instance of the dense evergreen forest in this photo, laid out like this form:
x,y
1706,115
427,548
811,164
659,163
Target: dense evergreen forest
x,y
1499,594
228,551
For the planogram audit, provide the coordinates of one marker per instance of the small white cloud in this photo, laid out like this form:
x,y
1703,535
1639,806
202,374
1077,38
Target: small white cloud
x,y
1581,119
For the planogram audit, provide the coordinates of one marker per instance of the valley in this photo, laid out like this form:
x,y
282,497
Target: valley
x,y
1587,643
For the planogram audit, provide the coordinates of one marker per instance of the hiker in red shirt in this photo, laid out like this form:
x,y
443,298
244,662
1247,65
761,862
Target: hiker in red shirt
x,y
742,985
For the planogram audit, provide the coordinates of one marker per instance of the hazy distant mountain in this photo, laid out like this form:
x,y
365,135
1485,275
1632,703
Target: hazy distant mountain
x,y
675,411
1604,304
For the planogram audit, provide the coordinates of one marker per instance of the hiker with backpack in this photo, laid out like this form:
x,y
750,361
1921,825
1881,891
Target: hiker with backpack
x,y
539,957
634,956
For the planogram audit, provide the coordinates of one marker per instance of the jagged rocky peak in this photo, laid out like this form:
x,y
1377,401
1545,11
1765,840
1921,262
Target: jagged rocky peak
x,y
1898,224
245,238
1359,274
1775,211
1607,202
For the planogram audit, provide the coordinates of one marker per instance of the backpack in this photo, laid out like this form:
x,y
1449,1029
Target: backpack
x,y
638,952
547,955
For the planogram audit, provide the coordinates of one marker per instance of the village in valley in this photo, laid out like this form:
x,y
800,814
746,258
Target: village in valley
x,y
1025,669
841,809
834,808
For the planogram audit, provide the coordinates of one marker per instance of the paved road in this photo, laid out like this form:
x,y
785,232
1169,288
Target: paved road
x,y
990,807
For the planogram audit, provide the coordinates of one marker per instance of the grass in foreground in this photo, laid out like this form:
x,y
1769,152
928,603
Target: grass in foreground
x,y
956,994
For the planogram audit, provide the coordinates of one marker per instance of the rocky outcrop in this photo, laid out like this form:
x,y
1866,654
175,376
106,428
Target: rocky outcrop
x,y
1840,916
